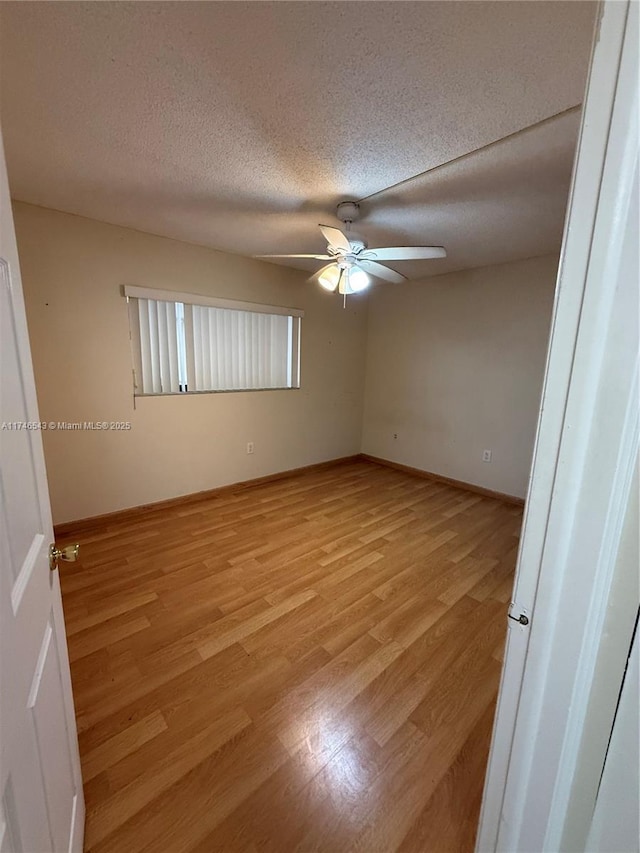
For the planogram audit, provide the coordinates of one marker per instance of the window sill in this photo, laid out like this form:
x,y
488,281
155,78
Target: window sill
x,y
226,391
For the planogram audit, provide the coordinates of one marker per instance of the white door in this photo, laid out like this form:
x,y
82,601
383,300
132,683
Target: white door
x,y
41,801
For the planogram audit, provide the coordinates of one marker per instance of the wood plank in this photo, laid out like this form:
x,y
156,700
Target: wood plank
x,y
119,746
449,821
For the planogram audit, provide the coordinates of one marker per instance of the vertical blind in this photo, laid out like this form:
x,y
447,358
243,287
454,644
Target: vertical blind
x,y
158,330
181,346
240,349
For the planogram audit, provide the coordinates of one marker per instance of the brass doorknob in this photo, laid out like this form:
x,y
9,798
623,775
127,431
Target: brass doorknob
x,y
69,554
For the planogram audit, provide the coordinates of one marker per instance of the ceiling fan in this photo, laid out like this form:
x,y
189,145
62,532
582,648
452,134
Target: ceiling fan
x,y
351,263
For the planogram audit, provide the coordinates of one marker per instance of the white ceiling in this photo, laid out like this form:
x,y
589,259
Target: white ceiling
x,y
240,125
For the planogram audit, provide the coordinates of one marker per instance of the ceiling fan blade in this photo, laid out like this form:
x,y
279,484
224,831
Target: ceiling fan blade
x,y
335,238
381,271
316,257
404,253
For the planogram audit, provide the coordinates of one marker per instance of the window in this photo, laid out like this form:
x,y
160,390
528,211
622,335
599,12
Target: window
x,y
183,344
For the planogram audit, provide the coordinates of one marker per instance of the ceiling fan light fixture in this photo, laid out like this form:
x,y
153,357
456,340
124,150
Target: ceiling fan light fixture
x,y
353,280
329,278
358,280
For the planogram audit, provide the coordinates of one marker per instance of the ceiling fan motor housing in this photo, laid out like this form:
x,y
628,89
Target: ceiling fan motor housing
x,y
348,211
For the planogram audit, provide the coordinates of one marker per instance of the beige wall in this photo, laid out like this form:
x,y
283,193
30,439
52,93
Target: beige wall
x,y
454,366
72,271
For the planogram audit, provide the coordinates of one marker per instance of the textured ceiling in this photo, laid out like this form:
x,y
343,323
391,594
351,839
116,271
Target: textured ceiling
x,y
240,125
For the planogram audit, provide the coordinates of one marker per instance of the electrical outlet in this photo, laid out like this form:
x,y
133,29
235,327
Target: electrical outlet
x,y
486,456
249,447
395,435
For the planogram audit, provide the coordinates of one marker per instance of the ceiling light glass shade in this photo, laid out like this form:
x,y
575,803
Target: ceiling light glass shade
x,y
353,281
358,279
330,278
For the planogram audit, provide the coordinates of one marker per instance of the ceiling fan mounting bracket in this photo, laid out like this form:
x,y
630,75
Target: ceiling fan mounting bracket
x,y
348,211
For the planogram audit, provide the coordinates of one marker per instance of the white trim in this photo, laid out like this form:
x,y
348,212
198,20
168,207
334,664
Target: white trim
x,y
295,351
42,659
616,813
560,823
77,832
584,439
208,301
24,575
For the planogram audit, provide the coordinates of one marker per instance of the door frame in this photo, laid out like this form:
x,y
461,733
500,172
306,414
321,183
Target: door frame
x,y
584,460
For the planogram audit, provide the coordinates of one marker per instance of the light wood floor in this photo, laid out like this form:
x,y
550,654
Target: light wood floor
x,y
304,665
